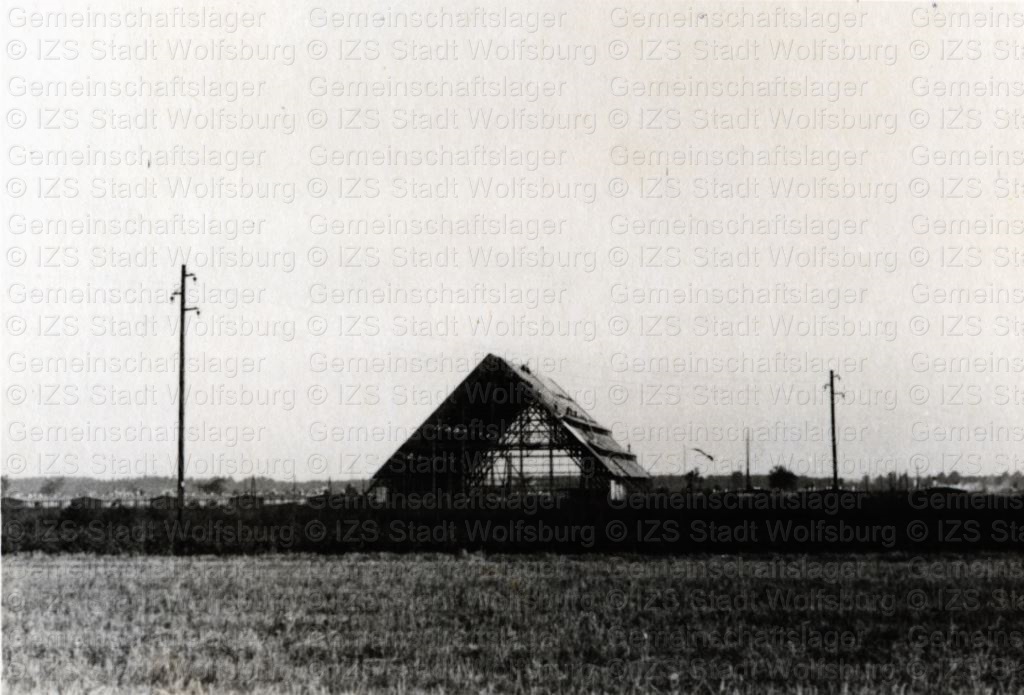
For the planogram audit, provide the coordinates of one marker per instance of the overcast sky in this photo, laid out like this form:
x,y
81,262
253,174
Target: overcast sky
x,y
687,264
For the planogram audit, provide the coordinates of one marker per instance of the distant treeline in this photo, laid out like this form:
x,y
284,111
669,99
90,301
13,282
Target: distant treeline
x,y
936,520
153,486
1003,483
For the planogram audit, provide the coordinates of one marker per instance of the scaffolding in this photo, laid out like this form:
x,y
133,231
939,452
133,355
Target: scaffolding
x,y
508,431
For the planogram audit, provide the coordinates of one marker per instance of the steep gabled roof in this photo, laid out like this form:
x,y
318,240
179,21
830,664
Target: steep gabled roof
x,y
489,399
597,438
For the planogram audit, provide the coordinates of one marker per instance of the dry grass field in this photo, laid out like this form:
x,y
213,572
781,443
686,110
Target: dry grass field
x,y
436,623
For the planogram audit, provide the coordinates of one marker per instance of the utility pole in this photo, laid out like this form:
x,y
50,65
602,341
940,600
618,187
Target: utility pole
x,y
749,487
183,309
551,454
832,401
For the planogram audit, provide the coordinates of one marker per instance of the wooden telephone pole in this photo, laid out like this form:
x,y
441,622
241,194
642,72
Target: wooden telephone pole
x,y
832,402
749,486
183,309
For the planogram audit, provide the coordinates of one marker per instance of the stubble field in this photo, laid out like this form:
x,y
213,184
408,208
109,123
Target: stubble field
x,y
436,623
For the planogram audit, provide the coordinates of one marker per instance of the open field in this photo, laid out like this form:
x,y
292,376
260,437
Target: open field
x,y
299,623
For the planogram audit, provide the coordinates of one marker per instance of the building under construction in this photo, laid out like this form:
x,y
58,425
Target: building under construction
x,y
507,430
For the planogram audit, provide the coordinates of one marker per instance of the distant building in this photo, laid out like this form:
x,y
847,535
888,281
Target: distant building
x,y
86,502
507,430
